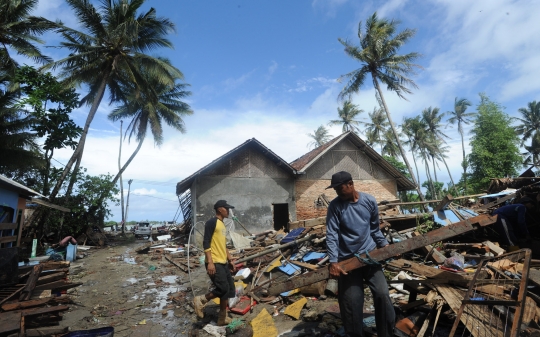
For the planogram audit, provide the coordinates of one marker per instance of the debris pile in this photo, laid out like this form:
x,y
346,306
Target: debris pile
x,y
32,302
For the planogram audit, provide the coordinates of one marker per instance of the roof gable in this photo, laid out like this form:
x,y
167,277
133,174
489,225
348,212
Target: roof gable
x,y
235,160
367,163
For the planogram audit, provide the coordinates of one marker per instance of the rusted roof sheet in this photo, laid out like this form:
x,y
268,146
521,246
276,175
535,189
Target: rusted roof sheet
x,y
304,162
182,186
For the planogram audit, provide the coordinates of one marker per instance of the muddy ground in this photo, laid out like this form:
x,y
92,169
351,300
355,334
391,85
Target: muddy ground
x,y
132,292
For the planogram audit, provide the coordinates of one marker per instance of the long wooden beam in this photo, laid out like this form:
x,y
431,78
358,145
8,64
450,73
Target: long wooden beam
x,y
387,252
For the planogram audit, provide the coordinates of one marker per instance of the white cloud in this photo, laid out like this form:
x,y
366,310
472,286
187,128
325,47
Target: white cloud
x,y
273,67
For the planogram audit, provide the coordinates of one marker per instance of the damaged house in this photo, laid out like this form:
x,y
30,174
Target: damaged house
x,y
268,192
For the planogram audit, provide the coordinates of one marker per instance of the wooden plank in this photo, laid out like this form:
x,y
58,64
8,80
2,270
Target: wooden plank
x,y
444,203
307,223
430,272
6,239
4,226
51,278
41,311
57,285
387,252
434,254
24,304
46,331
494,248
50,205
10,321
305,265
498,201
31,283
474,316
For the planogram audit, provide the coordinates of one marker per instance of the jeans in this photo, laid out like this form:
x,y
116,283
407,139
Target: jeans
x,y
351,301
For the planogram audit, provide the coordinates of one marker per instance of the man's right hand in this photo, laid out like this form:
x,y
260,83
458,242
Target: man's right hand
x,y
336,270
211,269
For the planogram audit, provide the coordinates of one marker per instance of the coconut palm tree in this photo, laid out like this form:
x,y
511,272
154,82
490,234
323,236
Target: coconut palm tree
x,y
319,136
410,128
148,107
461,117
109,54
19,31
389,146
530,121
533,152
347,115
378,126
378,55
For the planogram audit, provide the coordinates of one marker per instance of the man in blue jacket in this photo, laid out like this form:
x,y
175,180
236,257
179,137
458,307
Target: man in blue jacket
x,y
511,225
353,228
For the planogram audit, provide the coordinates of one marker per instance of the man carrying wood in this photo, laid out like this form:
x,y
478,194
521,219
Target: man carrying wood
x,y
217,257
353,228
511,225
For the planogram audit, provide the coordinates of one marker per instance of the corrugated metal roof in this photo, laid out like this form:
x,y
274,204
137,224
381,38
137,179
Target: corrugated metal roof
x,y
304,162
19,188
182,186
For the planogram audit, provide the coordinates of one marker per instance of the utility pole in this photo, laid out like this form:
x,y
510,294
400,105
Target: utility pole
x,y
127,206
121,182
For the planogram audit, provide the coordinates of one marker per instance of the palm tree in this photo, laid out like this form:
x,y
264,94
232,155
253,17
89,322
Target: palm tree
x,y
377,53
378,126
109,55
347,115
441,155
530,121
533,152
18,31
389,146
149,107
410,128
460,116
319,136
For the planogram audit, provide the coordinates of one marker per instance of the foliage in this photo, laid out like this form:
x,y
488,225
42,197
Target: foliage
x,y
494,145
86,204
425,223
378,55
529,126
51,102
347,117
319,136
377,127
19,31
398,165
439,190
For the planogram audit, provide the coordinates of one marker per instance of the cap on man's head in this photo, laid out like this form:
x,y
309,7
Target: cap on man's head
x,y
339,178
222,203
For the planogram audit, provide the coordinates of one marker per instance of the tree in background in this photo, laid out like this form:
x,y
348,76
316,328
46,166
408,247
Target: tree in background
x,y
149,107
532,156
389,145
319,136
494,145
378,55
108,54
50,104
347,117
529,127
19,31
461,116
376,127
438,188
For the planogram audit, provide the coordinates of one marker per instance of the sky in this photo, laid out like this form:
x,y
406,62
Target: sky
x,y
269,70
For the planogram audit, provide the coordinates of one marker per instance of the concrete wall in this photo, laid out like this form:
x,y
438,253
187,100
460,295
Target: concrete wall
x,y
307,192
251,197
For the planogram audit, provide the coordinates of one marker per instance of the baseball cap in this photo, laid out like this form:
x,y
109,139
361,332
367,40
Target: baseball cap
x,y
222,203
339,178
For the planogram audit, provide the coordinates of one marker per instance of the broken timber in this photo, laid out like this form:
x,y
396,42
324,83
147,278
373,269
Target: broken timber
x,y
387,252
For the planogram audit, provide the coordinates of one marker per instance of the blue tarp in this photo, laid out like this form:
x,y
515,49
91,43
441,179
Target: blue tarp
x,y
500,194
292,235
313,256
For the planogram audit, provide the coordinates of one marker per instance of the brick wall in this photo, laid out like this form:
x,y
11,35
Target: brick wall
x,y
307,192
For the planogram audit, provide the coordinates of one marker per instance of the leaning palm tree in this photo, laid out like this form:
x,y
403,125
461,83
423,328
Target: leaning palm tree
x,y
319,136
378,126
411,127
148,107
378,54
109,54
461,117
347,115
19,32
532,156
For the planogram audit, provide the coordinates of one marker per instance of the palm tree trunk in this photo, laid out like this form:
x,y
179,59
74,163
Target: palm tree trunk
x,y
415,165
463,163
378,88
73,177
430,179
80,147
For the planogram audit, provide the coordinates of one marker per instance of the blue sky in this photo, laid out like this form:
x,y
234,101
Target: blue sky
x,y
269,70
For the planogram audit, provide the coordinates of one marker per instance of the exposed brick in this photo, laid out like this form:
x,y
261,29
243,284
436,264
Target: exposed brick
x,y
307,192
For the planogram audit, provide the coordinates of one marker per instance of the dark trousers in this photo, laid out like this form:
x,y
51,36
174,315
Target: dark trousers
x,y
504,227
351,301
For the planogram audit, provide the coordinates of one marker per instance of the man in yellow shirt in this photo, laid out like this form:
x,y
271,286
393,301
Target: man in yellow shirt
x,y
217,258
